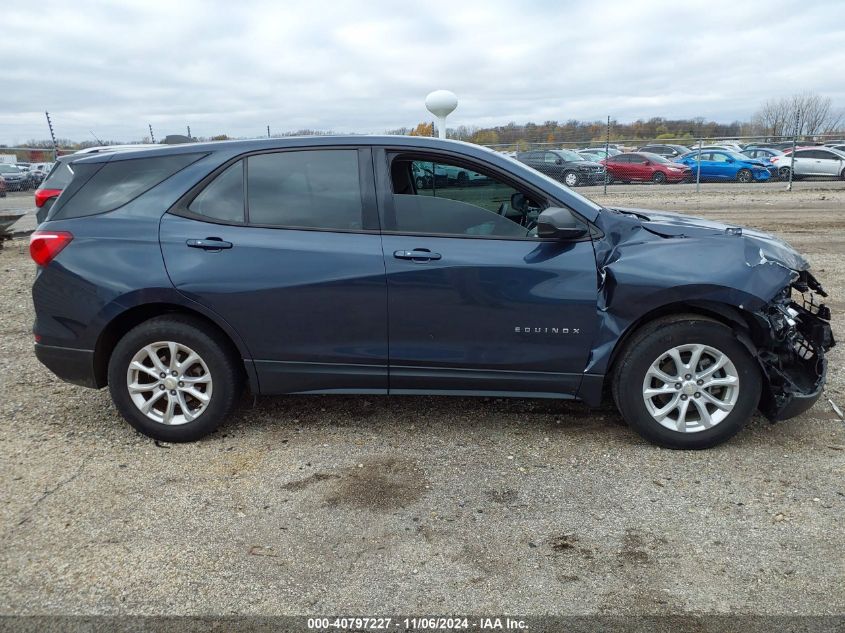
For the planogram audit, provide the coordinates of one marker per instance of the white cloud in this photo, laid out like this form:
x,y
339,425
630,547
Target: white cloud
x,y
225,67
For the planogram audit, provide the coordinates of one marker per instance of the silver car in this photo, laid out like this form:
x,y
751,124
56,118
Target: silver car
x,y
812,161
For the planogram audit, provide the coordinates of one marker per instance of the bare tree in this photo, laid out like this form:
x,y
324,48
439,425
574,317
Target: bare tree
x,y
806,114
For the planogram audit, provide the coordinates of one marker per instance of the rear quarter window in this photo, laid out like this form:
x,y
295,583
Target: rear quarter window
x,y
99,188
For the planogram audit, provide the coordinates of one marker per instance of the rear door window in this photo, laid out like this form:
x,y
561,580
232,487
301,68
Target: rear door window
x,y
223,199
312,189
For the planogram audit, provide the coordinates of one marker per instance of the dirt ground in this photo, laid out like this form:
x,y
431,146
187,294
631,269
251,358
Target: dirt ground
x,y
317,505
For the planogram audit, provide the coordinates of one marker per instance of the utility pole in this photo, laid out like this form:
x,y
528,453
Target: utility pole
x,y
606,154
268,131
52,136
794,143
698,166
189,132
152,136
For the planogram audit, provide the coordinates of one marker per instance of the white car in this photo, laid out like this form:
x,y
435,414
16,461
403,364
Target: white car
x,y
812,161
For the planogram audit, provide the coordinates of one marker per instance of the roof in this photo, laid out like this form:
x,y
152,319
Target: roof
x,y
264,144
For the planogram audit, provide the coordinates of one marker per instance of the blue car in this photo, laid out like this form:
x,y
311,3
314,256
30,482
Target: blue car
x,y
764,155
180,276
724,165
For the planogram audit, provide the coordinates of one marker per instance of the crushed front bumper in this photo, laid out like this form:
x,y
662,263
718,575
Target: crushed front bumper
x,y
792,355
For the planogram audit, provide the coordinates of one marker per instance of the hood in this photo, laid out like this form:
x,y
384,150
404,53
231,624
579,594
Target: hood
x,y
769,249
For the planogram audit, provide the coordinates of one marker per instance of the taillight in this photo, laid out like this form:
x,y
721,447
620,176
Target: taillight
x,y
43,195
45,245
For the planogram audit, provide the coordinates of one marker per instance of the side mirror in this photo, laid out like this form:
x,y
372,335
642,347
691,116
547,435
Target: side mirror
x,y
730,160
519,202
645,162
558,161
560,224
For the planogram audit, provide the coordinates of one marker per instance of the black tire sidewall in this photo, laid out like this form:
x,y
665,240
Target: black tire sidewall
x,y
220,364
642,354
659,178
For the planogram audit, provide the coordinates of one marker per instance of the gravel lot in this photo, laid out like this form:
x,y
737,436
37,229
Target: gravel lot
x,y
317,505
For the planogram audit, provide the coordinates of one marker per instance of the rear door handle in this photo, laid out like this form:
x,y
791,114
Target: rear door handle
x,y
209,244
417,255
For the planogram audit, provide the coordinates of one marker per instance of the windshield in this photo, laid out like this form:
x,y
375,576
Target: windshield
x,y
568,154
8,169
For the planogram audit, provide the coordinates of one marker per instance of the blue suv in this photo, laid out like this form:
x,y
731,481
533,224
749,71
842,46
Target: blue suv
x,y
180,276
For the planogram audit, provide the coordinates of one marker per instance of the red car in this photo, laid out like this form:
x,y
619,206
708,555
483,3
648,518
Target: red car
x,y
644,166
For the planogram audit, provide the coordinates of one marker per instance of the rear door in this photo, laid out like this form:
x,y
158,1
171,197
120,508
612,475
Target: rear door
x,y
476,302
803,163
285,247
830,164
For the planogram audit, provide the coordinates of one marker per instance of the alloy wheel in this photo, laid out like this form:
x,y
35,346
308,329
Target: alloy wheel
x,y
691,388
169,383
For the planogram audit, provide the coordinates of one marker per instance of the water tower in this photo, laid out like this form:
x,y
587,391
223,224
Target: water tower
x,y
441,103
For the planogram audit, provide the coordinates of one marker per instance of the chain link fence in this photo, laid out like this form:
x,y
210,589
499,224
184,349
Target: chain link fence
x,y
573,155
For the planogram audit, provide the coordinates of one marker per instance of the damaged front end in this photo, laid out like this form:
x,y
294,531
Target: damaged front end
x,y
793,335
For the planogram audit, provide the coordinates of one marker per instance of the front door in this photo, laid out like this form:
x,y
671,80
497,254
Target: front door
x,y
476,302
294,266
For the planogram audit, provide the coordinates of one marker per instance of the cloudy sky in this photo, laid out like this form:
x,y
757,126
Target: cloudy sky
x,y
235,67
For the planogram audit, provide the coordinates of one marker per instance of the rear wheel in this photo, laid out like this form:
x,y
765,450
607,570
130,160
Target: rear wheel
x,y
686,382
173,379
842,175
783,173
658,178
744,175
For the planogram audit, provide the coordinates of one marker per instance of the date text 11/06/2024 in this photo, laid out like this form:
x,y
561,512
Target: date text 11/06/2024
x,y
418,624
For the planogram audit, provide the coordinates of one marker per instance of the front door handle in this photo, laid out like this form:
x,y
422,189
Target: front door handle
x,y
417,255
209,244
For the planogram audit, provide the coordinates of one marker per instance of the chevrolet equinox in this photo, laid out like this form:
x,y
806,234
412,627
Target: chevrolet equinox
x,y
182,275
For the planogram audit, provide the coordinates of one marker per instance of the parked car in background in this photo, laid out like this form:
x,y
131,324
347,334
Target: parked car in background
x,y
598,153
724,165
565,166
811,161
2,187
667,151
53,185
764,155
16,180
644,167
178,276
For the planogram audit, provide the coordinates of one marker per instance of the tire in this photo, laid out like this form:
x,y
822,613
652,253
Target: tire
x,y
783,173
570,179
649,347
659,178
215,361
842,175
744,175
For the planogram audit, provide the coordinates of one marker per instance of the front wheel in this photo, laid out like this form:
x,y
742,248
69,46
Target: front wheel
x,y
744,175
842,175
173,379
685,382
570,179
658,178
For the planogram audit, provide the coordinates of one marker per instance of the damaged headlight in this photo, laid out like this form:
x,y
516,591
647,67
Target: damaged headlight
x,y
795,336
